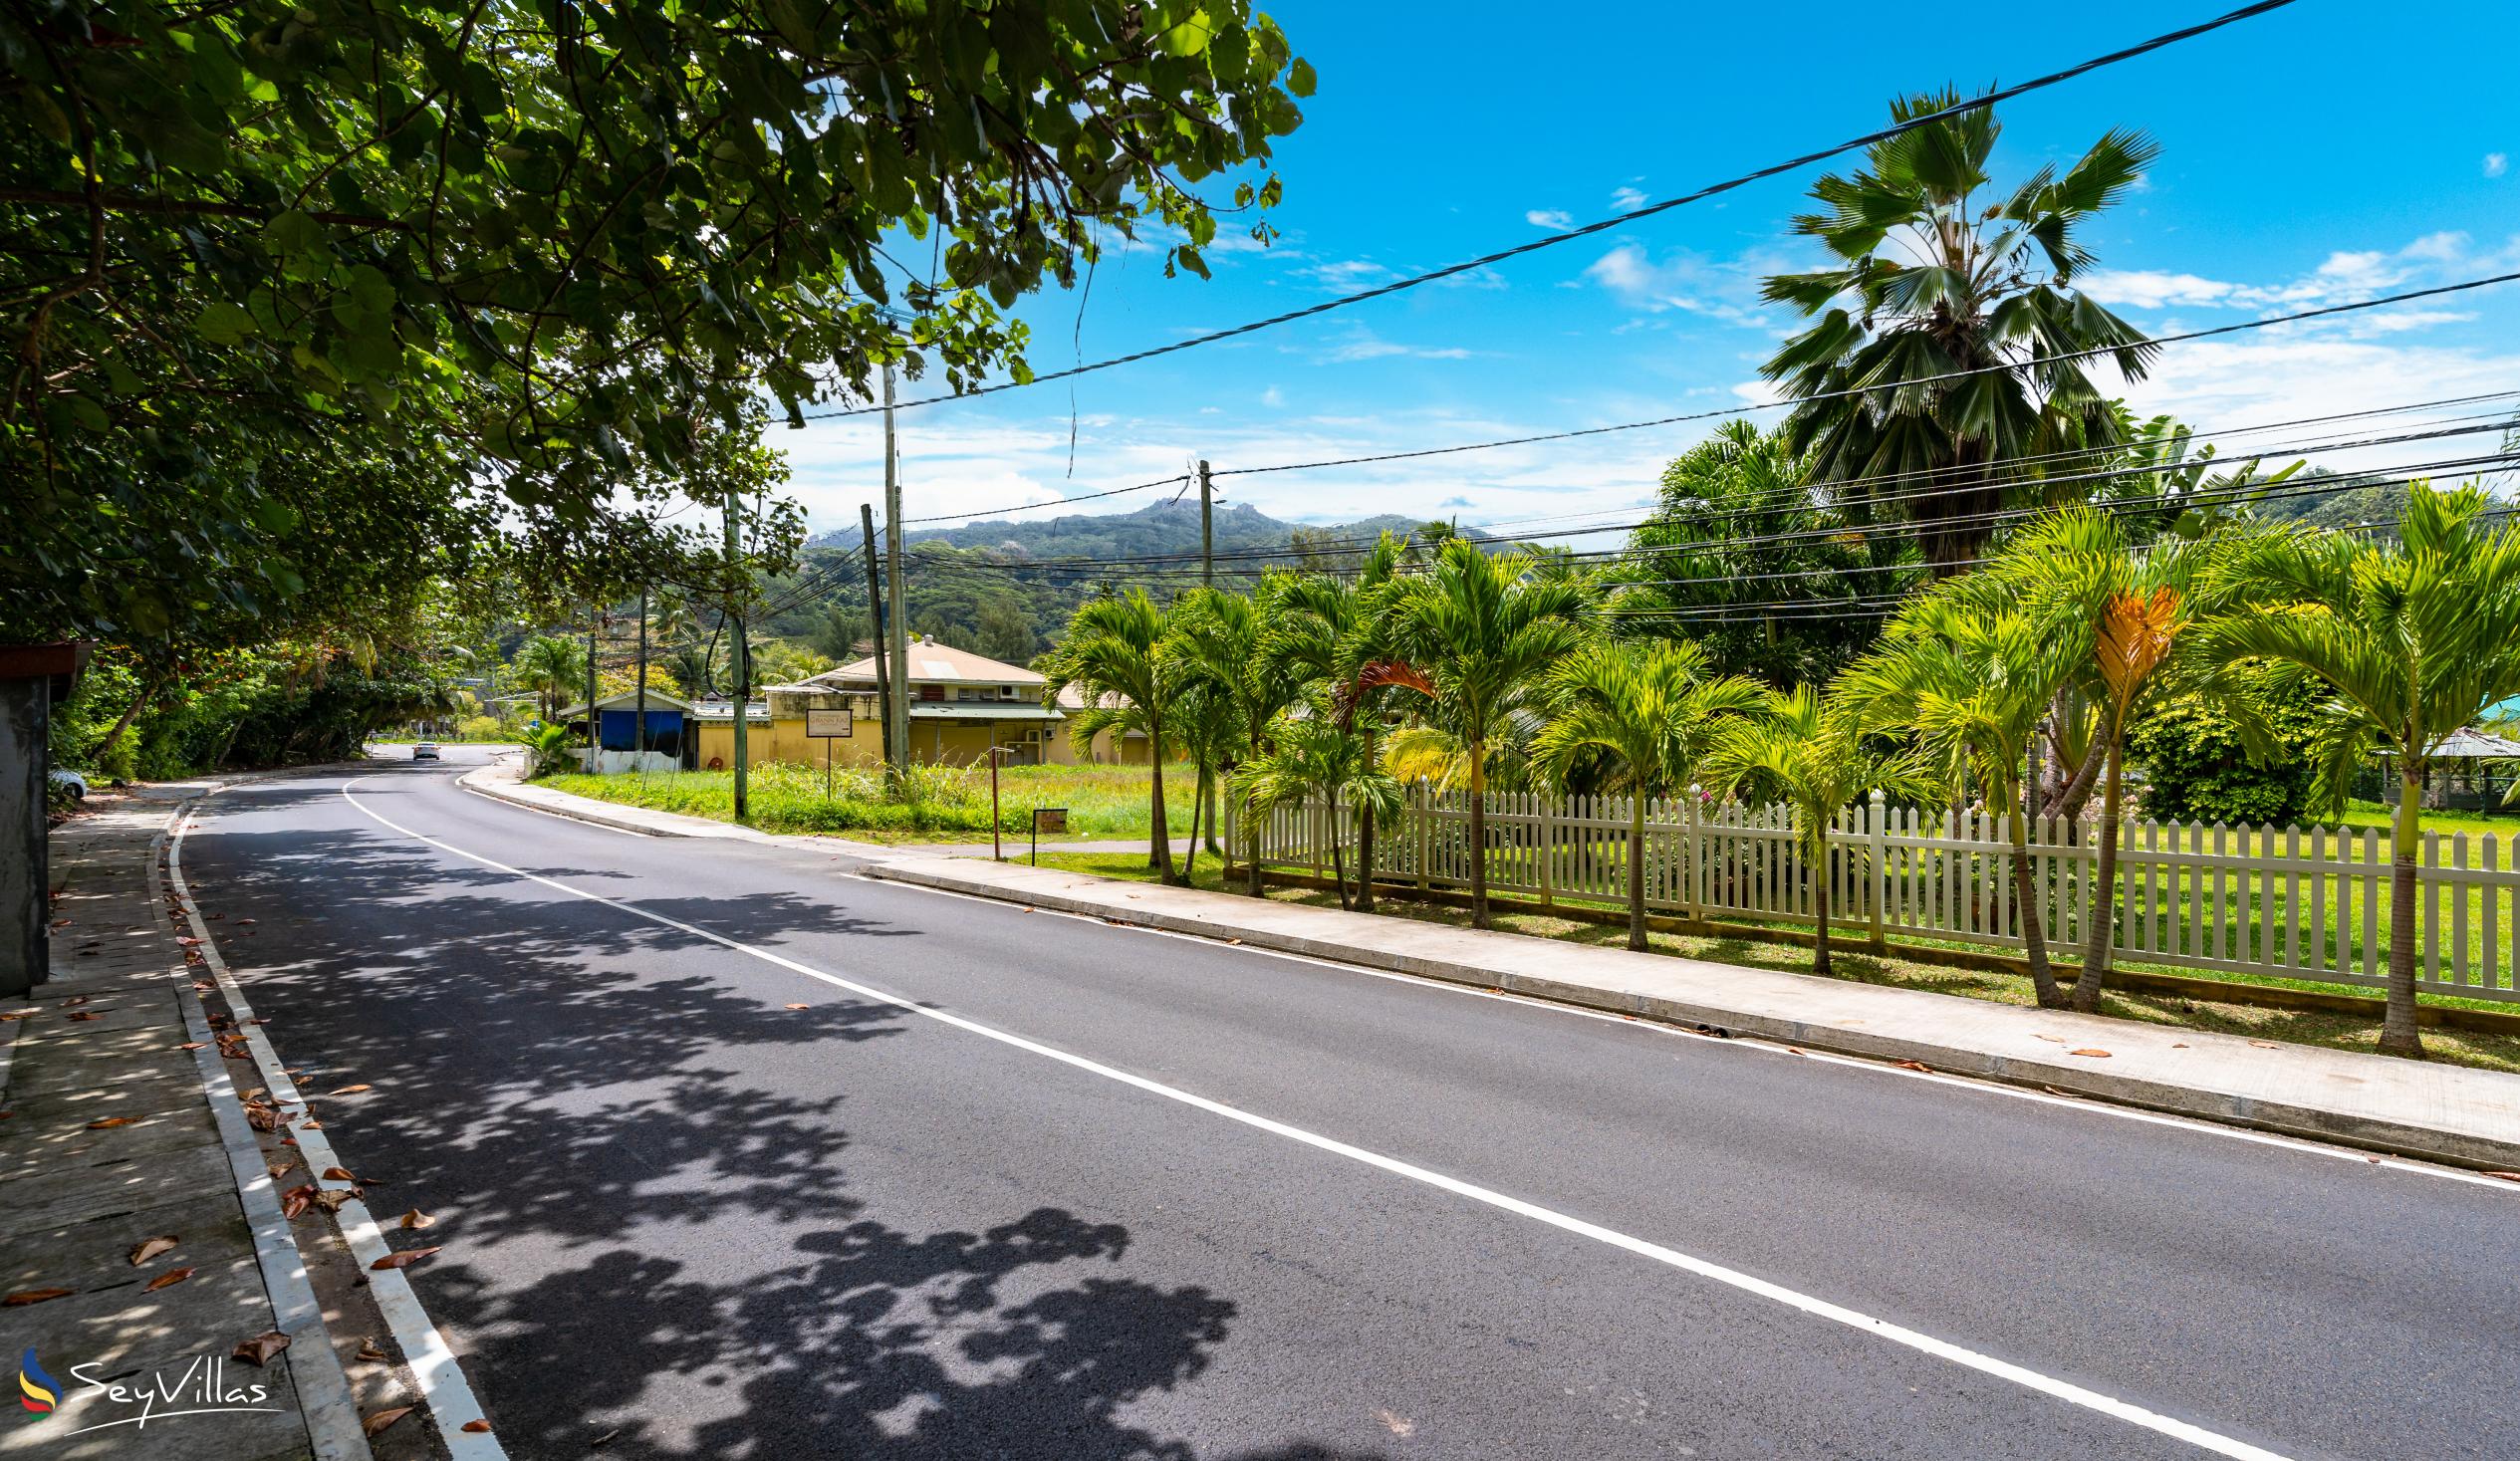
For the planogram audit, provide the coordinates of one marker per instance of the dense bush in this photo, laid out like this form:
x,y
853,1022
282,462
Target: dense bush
x,y
248,708
2198,769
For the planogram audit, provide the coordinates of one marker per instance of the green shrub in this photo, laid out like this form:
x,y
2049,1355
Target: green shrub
x,y
480,728
2197,768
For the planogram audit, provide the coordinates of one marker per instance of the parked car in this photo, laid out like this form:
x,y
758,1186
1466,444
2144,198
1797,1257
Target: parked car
x,y
73,782
425,751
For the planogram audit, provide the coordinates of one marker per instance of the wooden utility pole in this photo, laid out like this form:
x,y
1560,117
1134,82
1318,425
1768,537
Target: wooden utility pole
x,y
874,619
897,630
1208,529
737,582
639,732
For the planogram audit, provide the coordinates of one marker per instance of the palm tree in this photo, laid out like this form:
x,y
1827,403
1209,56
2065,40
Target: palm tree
x,y
1314,759
1206,729
1972,676
1122,653
1811,756
1329,626
1931,281
1221,638
1474,634
2131,609
549,665
2415,637
1654,708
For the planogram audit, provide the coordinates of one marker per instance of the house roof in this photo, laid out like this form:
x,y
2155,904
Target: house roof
x,y
725,710
932,664
2469,741
656,700
1002,710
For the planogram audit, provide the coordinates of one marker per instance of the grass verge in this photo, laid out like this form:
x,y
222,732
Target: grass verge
x,y
2480,1048
942,802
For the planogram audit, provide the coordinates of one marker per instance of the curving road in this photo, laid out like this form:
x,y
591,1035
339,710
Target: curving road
x,y
1144,1196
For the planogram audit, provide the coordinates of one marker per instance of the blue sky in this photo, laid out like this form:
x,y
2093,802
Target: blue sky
x,y
2325,153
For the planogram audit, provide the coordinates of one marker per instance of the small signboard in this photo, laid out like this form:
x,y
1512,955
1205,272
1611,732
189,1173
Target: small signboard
x,y
828,725
1050,819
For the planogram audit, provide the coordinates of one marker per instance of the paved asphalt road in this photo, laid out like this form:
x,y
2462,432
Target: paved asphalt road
x,y
687,1220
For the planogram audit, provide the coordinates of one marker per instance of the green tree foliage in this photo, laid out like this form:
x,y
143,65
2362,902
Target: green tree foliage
x,y
2202,763
1741,556
2415,637
1930,278
1122,655
1316,760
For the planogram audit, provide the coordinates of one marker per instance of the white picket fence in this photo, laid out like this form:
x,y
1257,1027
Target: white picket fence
x,y
2297,902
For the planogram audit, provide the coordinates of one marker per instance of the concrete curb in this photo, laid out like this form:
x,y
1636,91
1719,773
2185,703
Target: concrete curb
x,y
2457,1148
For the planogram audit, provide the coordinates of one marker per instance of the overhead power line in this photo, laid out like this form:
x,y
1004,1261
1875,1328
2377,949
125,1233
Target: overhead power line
x,y
1449,271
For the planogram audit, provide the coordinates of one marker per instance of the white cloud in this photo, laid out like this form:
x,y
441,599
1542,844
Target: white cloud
x,y
1726,290
2152,289
1359,342
1273,397
2345,275
2496,165
1550,218
1628,199
1340,276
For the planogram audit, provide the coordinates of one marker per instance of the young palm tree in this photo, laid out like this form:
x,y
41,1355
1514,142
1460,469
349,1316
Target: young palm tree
x,y
1973,677
1654,708
1327,628
1932,280
1811,756
2131,608
2415,636
1479,630
1223,639
1121,652
549,665
1206,729
1313,759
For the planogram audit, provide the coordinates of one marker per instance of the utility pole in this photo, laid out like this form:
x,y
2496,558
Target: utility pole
x,y
897,630
638,734
737,583
1208,529
595,727
875,617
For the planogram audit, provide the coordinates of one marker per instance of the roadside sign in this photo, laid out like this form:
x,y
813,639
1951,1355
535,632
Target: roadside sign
x,y
827,725
1047,818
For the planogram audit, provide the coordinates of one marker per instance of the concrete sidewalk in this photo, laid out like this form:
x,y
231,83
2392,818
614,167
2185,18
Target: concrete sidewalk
x,y
2443,1112
124,1126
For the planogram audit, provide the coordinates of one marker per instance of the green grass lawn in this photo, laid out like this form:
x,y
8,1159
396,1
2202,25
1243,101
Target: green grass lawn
x,y
945,803
2480,1048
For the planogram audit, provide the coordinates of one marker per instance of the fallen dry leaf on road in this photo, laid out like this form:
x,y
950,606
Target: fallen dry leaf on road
x,y
2101,1055
310,1123
167,1279
332,1201
74,1002
30,1014
24,1297
793,1007
295,1200
2174,1044
261,1347
2260,1043
205,1045
111,1121
370,1354
262,1117
2506,1177
403,1259
92,1014
1903,1065
2049,1039
482,1427
280,1168
148,1248
342,1174
384,1418
416,1219
355,1090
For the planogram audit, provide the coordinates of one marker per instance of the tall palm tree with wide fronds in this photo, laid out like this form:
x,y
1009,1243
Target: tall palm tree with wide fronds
x,y
1809,755
1222,640
1971,674
1122,654
1315,759
1654,708
1933,278
1475,633
549,665
2414,637
1328,628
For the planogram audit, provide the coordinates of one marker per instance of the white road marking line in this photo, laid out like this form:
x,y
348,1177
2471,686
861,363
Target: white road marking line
x,y
441,1383
1767,1046
2065,1391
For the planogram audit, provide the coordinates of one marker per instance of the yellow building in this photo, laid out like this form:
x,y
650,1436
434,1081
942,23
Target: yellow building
x,y
960,705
